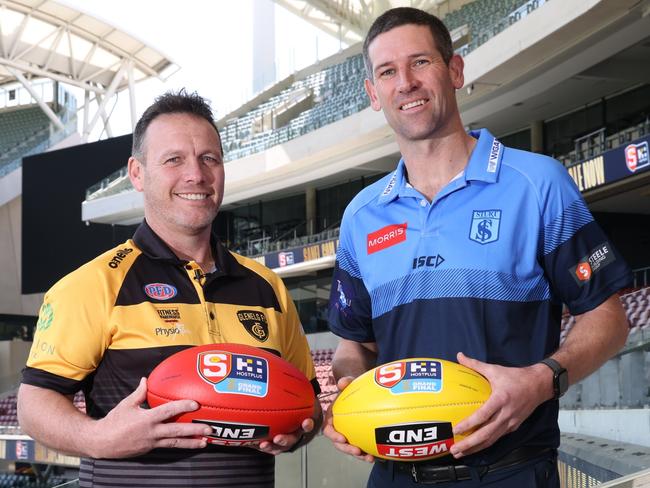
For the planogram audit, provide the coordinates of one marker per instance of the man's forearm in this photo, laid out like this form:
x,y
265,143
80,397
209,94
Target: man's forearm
x,y
353,358
596,336
52,419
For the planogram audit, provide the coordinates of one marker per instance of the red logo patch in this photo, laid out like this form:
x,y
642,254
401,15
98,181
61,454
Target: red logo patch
x,y
390,374
583,271
386,237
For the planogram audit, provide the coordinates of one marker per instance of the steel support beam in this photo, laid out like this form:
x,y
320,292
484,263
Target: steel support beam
x,y
44,106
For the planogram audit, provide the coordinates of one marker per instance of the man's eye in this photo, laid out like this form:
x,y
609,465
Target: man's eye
x,y
210,160
173,160
421,62
387,72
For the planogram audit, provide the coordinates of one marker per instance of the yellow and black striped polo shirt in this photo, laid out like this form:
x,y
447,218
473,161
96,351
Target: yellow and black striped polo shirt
x,y
109,323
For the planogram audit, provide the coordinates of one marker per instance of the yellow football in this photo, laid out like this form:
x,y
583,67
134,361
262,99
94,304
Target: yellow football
x,y
405,410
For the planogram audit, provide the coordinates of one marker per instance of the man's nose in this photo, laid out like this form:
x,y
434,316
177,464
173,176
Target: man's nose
x,y
407,82
195,170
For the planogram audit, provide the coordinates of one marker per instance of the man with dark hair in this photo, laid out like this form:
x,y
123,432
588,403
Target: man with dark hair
x,y
466,252
173,286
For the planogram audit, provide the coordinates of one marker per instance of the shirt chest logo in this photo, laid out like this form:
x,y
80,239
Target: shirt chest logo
x,y
255,323
160,291
386,237
485,226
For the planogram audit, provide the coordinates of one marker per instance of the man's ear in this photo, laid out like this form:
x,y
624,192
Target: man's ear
x,y
372,95
136,173
456,68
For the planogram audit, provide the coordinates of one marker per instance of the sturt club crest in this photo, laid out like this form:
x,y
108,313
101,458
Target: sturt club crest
x,y
255,323
485,226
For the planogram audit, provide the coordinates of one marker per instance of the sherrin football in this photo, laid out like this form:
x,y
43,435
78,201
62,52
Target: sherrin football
x,y
245,394
405,410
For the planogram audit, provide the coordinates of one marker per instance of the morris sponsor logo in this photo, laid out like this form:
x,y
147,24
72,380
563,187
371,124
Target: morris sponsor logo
x,y
386,237
160,291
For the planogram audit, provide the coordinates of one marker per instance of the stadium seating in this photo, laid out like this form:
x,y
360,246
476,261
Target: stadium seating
x,y
486,18
637,308
598,142
26,130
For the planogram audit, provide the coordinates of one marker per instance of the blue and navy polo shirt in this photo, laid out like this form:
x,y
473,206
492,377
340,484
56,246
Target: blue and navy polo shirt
x,y
484,268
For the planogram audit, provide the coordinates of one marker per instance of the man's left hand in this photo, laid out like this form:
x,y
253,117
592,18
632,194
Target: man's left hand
x,y
283,442
516,392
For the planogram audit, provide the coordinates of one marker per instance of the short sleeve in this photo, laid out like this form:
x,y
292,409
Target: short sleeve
x,y
580,261
71,333
350,309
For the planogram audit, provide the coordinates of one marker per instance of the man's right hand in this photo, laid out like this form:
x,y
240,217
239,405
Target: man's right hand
x,y
130,430
338,439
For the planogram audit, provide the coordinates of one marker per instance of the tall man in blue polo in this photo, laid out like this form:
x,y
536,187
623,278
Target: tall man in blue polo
x,y
467,252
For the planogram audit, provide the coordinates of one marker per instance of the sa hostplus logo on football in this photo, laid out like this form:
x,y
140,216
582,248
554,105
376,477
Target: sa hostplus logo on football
x,y
418,375
485,226
241,374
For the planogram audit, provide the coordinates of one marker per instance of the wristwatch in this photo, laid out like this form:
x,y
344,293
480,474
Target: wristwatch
x,y
560,377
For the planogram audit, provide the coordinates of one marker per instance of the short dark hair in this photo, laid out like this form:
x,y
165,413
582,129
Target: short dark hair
x,y
399,16
171,102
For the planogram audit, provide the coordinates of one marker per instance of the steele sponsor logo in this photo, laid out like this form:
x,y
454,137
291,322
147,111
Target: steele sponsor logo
x,y
591,264
119,257
231,434
414,441
386,237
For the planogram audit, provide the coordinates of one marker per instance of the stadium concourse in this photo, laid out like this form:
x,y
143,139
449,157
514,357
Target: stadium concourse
x,y
568,79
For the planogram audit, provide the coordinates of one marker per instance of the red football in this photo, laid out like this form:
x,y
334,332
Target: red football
x,y
245,394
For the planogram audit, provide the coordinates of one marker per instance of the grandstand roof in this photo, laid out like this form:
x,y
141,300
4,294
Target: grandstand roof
x,y
349,20
49,39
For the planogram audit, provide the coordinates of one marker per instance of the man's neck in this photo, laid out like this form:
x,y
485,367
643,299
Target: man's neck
x,y
434,162
191,247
